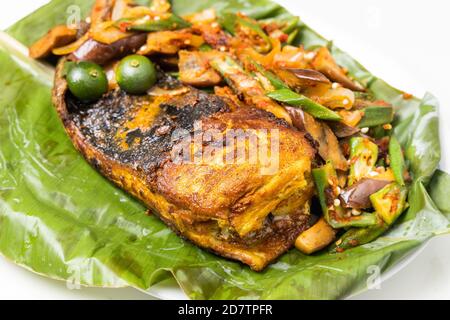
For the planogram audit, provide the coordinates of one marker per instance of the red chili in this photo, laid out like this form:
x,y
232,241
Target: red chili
x,y
123,26
284,37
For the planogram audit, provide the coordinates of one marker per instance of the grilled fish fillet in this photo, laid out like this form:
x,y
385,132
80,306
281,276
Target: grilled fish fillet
x,y
233,209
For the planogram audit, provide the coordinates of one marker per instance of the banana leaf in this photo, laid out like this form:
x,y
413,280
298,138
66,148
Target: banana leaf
x,y
62,219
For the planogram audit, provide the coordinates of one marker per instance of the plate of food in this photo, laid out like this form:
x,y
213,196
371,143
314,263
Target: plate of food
x,y
224,146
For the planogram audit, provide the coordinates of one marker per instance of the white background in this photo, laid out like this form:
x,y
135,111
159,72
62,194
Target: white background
x,y
402,42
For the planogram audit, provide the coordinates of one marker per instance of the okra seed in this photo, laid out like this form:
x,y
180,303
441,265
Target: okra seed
x,y
337,202
365,130
356,212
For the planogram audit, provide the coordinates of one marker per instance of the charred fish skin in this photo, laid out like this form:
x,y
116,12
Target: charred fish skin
x,y
233,211
108,125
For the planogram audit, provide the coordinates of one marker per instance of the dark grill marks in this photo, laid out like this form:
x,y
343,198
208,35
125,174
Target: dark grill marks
x,y
150,148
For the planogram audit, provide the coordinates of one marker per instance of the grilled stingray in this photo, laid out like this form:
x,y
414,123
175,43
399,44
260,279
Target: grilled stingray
x,y
235,209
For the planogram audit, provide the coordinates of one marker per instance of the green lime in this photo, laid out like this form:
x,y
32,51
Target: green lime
x,y
136,74
87,81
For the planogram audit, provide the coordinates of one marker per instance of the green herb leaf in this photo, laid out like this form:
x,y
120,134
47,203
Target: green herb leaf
x,y
297,100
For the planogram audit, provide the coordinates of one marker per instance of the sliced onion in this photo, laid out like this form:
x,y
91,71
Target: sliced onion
x,y
265,60
336,98
205,16
62,51
107,33
291,57
119,9
351,118
325,63
357,196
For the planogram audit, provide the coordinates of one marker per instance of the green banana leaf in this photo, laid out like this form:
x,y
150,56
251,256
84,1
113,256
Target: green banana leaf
x,y
62,219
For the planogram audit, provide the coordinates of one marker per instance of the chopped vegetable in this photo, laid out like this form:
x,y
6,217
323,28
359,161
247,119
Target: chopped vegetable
x,y
291,25
307,78
247,29
87,81
56,37
101,53
276,82
376,115
245,84
294,99
351,118
320,235
119,9
160,6
336,98
205,48
195,69
205,17
358,236
71,47
383,174
397,161
292,36
326,182
250,26
107,33
170,42
325,63
101,11
327,143
390,202
286,95
342,130
363,157
169,23
358,195
291,57
136,74
228,22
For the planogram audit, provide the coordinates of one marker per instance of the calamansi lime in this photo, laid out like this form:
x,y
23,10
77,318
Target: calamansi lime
x,y
136,74
87,81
